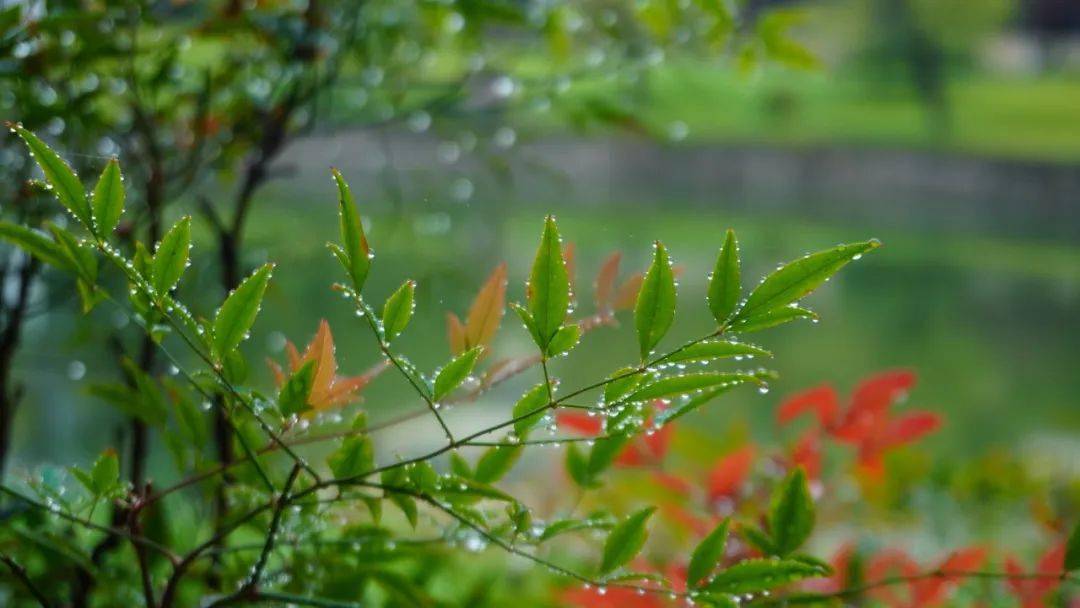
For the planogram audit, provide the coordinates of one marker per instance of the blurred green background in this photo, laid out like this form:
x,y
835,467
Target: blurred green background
x,y
949,130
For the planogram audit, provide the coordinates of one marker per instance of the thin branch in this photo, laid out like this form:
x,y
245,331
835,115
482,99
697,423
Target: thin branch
x,y
250,587
141,540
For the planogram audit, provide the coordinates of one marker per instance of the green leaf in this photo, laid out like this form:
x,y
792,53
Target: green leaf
x,y
655,308
108,201
755,575
527,320
724,284
621,383
65,184
687,383
772,318
708,554
797,279
395,480
496,462
454,373
683,408
625,540
105,473
36,244
529,410
81,259
171,257
354,251
236,316
1072,550
293,396
353,458
549,286
565,339
604,452
577,466
563,526
791,515
717,349
398,310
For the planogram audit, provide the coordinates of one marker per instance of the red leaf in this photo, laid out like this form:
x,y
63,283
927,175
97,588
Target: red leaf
x,y
729,473
821,400
582,423
605,282
878,392
910,427
807,454
932,591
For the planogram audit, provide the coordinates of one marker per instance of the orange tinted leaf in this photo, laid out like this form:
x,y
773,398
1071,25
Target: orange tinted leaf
x,y
626,296
487,309
568,257
605,282
327,388
275,369
455,334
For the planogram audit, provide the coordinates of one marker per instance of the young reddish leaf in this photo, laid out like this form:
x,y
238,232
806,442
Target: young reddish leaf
x,y
604,286
724,284
455,334
568,255
706,557
821,400
327,388
487,310
655,307
626,296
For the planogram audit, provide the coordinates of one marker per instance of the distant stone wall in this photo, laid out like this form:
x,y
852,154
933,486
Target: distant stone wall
x,y
891,187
